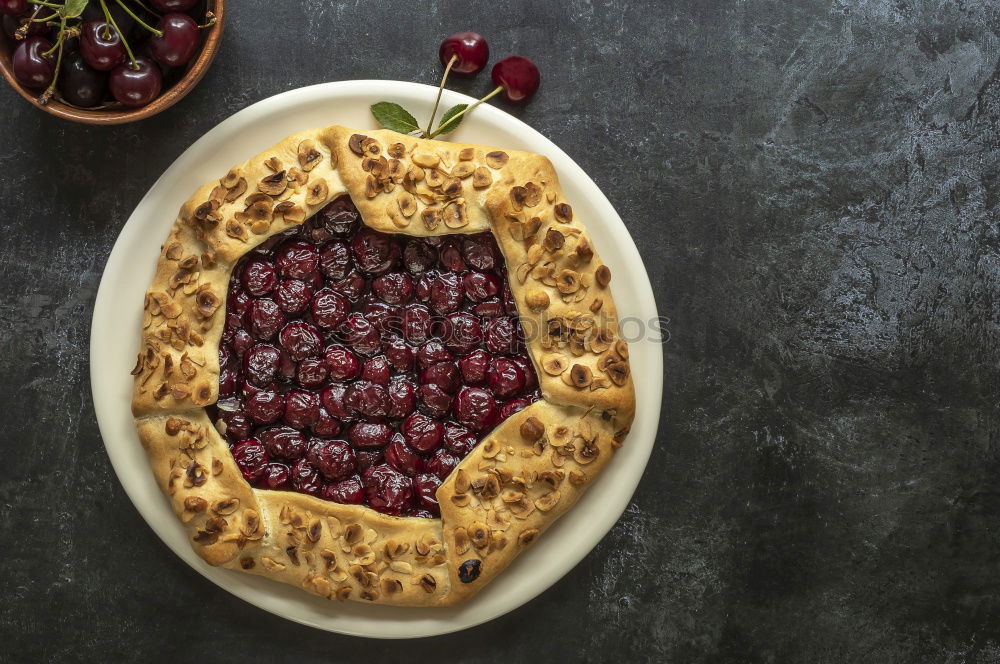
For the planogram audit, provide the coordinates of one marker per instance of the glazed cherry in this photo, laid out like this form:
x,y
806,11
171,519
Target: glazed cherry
x,y
260,364
277,477
335,260
393,288
469,49
518,76
334,400
398,352
238,425
402,397
294,296
177,43
500,335
399,455
251,457
80,85
505,378
388,490
474,366
305,478
374,252
361,335
330,309
259,278
376,369
475,408
433,400
266,318
443,374
283,442
425,487
368,399
13,7
446,293
333,458
450,252
416,323
296,260
326,425
462,332
136,86
431,353
301,408
346,492
459,440
369,434
422,433
441,463
101,45
342,363
418,256
32,68
300,340
265,407
513,406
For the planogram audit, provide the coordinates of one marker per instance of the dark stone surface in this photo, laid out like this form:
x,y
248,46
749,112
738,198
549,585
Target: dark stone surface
x,y
814,189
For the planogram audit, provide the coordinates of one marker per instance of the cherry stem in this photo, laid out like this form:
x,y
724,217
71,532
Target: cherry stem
x,y
437,102
158,33
51,90
210,20
441,128
143,5
46,4
111,20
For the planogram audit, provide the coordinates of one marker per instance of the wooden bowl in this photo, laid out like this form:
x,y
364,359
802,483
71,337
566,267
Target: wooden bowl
x,y
122,114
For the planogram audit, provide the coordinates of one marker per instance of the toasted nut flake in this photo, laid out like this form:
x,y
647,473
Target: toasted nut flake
x,y
259,227
391,586
454,215
554,364
294,214
460,500
195,475
552,477
511,496
583,249
618,372
568,281
586,452
407,204
531,227
467,154
463,170
314,530
217,466
498,521
317,192
353,533
517,197
230,179
433,177
577,477
205,538
309,156
533,194
343,593
431,218
602,276
226,506
479,534
426,159
580,375
532,429
621,348
426,543
496,160
218,194
547,501
195,504
273,164
481,178
554,240
522,509
355,143
428,583
461,481
371,147
563,212
527,536
537,299
247,562
401,567
235,229
273,184
175,425
397,150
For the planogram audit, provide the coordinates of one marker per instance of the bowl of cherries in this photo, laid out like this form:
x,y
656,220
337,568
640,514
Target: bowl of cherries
x,y
107,61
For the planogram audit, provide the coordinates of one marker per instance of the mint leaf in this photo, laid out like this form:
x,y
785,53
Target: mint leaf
x,y
395,117
448,115
73,8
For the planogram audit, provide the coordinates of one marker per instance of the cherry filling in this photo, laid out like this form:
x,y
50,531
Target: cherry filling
x,y
361,367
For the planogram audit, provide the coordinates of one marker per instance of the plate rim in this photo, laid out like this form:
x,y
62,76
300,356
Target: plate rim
x,y
569,171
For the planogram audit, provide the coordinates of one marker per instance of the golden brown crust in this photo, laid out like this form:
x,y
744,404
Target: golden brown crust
x,y
517,482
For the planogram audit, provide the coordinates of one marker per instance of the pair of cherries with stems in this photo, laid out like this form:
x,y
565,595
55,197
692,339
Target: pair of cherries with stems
x,y
464,53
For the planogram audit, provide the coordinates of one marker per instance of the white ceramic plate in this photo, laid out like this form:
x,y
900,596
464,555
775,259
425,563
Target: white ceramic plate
x,y
116,325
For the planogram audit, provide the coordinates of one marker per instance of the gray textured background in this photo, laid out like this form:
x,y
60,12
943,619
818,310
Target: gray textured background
x,y
814,188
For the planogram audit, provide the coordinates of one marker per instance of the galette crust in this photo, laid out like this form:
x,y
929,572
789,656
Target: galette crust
x,y
522,476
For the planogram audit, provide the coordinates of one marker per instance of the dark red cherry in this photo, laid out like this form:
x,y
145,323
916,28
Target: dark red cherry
x,y
461,332
431,353
300,340
13,7
32,68
342,363
402,458
369,434
375,252
422,433
450,253
333,458
238,425
345,492
402,397
283,442
443,374
265,407
481,252
388,490
376,369
305,478
227,381
518,76
334,399
276,477
416,323
473,367
459,440
293,296
470,50
339,217
434,401
398,352
311,372
505,378
296,260
352,286
393,287
101,45
385,317
480,285
418,256
80,85
475,408
425,487
251,457
368,458
530,378
441,463
179,41
490,308
301,408
330,309
500,335
335,261
512,407
361,335
446,293
326,425
369,399
265,319
138,85
260,364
